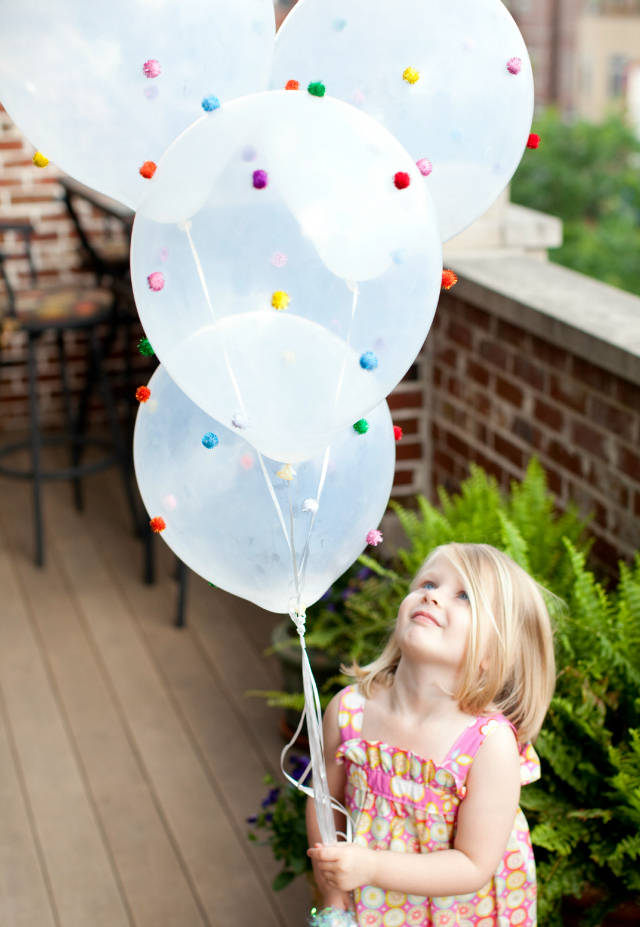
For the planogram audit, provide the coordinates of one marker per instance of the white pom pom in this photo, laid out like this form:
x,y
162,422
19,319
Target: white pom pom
x,y
310,505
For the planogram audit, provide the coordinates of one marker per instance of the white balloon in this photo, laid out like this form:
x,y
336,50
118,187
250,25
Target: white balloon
x,y
467,115
352,262
238,519
101,88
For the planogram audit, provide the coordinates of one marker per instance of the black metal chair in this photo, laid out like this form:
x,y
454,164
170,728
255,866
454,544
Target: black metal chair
x,y
61,310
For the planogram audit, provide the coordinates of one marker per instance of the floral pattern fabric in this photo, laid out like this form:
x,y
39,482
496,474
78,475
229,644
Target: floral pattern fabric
x,y
402,802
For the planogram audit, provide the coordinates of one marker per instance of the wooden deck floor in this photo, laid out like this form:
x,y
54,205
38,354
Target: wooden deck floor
x,y
129,756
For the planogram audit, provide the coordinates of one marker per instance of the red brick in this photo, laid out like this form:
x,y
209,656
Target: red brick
x,y
554,481
636,504
629,463
408,451
481,402
409,425
527,431
438,376
549,354
568,460
569,393
512,334
619,421
530,373
627,393
592,376
477,317
402,400
588,438
507,449
509,391
402,477
549,415
456,444
449,356
460,334
494,353
477,372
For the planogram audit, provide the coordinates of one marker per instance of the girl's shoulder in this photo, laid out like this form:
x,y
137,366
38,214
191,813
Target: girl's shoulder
x,y
484,727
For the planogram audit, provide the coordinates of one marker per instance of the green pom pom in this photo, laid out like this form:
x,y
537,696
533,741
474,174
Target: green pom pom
x,y
316,88
144,346
361,426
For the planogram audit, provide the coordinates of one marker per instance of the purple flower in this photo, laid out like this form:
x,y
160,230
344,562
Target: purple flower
x,y
298,766
271,798
252,820
363,573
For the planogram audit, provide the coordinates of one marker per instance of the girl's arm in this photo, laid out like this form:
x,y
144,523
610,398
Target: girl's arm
x,y
331,895
485,821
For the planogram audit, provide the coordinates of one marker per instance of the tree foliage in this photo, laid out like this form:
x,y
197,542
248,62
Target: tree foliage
x,y
589,175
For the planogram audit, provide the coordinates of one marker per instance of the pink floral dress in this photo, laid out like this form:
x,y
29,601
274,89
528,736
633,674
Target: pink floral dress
x,y
402,802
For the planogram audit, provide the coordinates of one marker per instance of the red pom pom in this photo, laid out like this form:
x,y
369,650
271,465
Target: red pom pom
x,y
397,433
157,524
148,169
533,140
292,85
449,279
401,180
143,393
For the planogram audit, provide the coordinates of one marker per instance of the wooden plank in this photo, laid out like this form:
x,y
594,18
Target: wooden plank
x,y
24,898
83,882
215,854
237,763
151,872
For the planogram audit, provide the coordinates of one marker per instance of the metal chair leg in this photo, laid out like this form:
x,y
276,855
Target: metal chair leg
x,y
74,437
35,442
182,575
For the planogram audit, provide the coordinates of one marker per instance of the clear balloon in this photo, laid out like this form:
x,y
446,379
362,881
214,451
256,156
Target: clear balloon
x,y
286,265
451,79
103,88
243,521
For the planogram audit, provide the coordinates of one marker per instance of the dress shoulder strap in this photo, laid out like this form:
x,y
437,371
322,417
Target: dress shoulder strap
x,y
350,712
472,738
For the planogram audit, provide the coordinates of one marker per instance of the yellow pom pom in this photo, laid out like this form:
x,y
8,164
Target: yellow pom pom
x,y
286,472
39,159
411,75
280,299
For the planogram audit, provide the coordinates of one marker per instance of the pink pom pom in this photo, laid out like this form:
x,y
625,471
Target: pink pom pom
x,y
152,68
514,65
156,281
425,166
374,537
278,259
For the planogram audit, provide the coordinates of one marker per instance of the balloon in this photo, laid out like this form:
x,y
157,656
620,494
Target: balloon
x,y
103,88
283,278
231,514
450,78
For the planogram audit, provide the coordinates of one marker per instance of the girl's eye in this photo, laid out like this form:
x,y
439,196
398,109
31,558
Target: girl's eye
x,y
428,584
463,595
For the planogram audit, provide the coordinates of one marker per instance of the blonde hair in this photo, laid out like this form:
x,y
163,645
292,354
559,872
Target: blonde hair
x,y
509,665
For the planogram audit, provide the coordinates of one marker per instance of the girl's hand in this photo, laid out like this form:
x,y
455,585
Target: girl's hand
x,y
334,898
343,866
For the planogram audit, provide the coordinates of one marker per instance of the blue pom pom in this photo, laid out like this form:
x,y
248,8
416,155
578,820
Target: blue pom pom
x,y
368,361
210,440
332,917
210,103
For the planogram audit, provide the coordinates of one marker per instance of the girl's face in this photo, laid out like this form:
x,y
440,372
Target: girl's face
x,y
435,617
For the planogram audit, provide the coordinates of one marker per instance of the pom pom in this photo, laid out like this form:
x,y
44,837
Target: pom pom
x,y
425,166
40,160
148,169
411,75
278,259
286,472
209,104
533,141
339,24
151,68
157,524
156,281
449,279
260,179
397,433
310,505
514,65
143,394
374,537
361,426
368,361
317,88
401,180
292,85
332,917
210,440
239,421
280,300
144,347
246,461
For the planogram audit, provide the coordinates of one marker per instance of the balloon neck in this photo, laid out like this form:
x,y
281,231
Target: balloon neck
x,y
299,619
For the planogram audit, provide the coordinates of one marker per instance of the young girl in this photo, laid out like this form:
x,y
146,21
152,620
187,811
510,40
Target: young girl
x,y
429,750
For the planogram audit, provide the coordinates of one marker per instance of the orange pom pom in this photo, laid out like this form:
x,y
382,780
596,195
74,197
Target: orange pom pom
x,y
533,141
292,85
143,393
157,524
449,279
148,169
